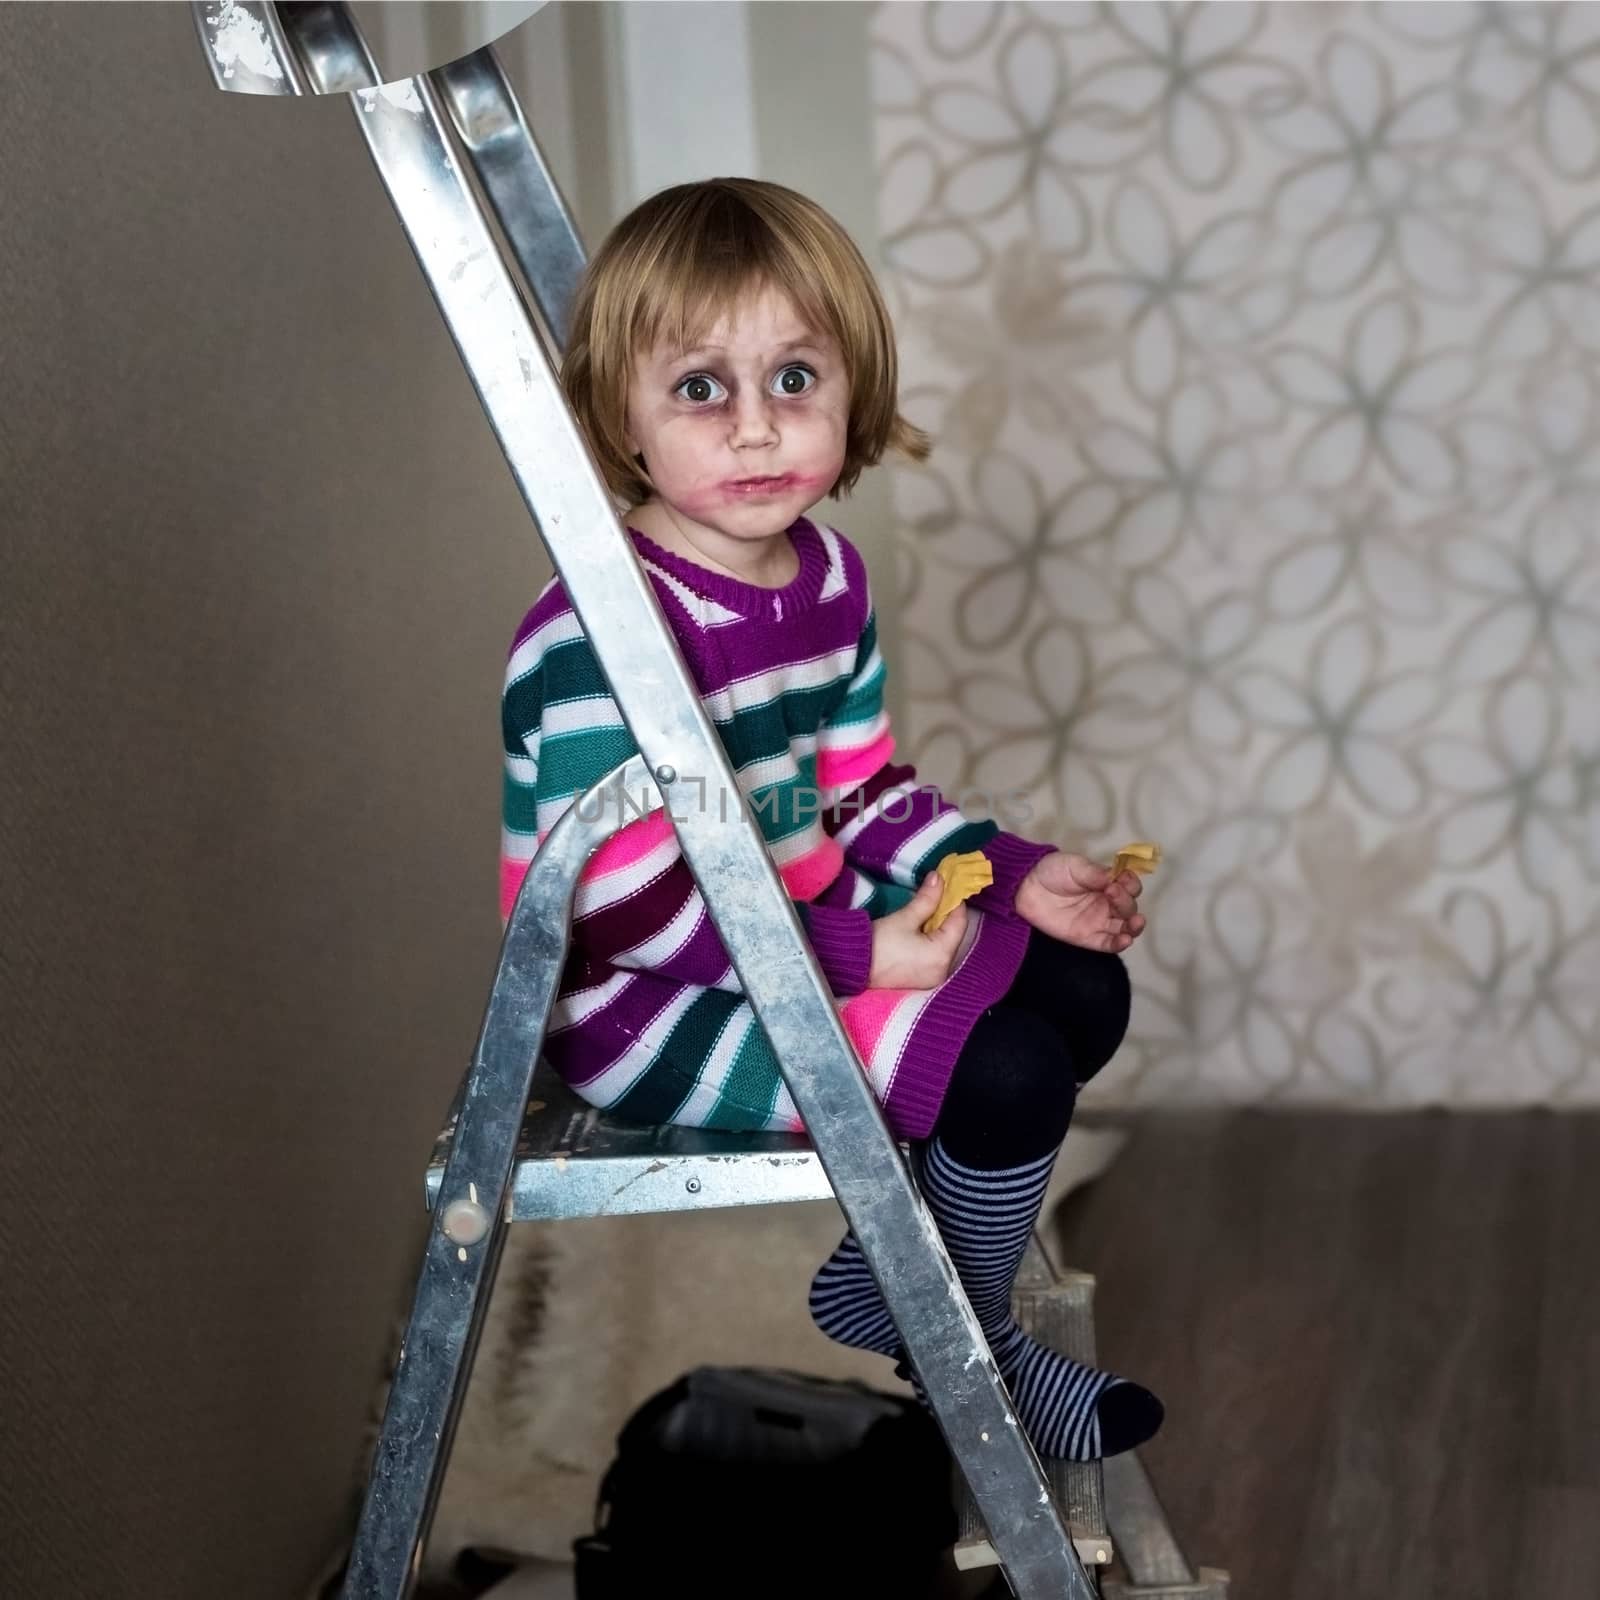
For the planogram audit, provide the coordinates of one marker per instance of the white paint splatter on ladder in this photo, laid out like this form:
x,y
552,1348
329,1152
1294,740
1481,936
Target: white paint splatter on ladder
x,y
241,41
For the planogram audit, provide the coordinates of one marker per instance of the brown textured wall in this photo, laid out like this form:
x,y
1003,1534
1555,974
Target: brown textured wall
x,y
259,560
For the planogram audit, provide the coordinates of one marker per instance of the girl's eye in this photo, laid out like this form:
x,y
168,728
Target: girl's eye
x,y
794,380
698,389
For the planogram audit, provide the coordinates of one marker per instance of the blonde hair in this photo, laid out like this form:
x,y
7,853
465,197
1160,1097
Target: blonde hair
x,y
677,261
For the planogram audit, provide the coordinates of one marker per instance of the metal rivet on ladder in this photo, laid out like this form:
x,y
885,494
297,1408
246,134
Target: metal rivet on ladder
x,y
666,773
693,1186
464,1222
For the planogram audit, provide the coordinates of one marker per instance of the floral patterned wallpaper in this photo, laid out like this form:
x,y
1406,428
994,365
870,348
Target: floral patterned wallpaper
x,y
1262,344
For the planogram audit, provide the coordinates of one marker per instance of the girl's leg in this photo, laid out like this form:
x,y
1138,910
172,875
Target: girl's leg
x,y
1084,995
984,1176
1013,1096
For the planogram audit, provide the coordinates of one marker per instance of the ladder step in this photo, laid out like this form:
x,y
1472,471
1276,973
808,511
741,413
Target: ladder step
x,y
1057,1309
1210,1584
574,1161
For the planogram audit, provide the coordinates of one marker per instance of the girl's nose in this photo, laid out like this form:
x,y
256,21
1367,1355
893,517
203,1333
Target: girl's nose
x,y
753,424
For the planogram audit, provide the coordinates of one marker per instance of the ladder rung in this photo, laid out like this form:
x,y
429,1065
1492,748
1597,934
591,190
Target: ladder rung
x,y
1211,1583
573,1161
973,1554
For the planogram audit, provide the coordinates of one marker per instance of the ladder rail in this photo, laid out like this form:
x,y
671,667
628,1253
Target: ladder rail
x,y
517,182
404,129
246,48
1139,1526
463,1246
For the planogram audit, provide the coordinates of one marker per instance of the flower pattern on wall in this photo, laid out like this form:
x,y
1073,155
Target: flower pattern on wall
x,y
1262,348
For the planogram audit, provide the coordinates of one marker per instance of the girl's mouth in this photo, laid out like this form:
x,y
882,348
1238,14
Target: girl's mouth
x,y
759,486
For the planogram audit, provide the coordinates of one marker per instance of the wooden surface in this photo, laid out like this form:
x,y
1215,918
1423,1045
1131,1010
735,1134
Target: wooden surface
x,y
1379,1344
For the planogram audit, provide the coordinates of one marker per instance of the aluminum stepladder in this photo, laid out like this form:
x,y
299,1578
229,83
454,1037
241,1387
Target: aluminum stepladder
x,y
519,1146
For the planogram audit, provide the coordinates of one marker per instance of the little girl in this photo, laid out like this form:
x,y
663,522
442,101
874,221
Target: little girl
x,y
731,364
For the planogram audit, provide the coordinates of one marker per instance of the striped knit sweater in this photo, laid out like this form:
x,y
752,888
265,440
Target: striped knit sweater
x,y
649,1020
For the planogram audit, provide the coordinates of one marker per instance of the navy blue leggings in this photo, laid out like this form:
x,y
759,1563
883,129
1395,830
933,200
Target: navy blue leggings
x,y
1016,1080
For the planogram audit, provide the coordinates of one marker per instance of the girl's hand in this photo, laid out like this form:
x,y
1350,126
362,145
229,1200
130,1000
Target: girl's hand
x,y
903,956
1079,902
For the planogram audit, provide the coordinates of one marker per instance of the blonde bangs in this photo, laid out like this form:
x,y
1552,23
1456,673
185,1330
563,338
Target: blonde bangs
x,y
673,267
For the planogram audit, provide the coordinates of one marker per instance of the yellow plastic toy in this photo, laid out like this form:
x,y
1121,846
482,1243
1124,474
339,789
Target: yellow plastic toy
x,y
962,876
1138,857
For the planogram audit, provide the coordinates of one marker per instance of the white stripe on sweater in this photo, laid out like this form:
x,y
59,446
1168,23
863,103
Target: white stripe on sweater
x,y
770,685
585,715
903,863
569,1010
846,735
781,768
886,1054
719,1063
653,953
857,825
837,581
869,670
600,893
558,630
708,613
623,1073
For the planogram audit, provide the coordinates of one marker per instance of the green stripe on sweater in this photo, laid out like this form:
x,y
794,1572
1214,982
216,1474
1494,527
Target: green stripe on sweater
x,y
750,1090
657,1094
971,836
519,806
568,762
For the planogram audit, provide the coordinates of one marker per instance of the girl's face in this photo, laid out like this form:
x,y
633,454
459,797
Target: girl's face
x,y
746,432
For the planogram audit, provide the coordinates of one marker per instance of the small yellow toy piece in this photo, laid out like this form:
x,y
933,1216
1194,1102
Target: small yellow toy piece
x,y
1138,857
962,877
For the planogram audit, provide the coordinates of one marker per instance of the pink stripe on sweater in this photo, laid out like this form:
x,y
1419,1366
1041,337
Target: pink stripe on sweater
x,y
804,878
628,845
622,849
808,876
867,1014
839,769
511,875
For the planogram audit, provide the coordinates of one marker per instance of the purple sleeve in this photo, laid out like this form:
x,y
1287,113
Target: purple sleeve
x,y
1012,859
842,940
897,829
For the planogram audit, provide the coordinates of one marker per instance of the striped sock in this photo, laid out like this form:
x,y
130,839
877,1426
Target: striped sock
x,y
846,1305
986,1219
